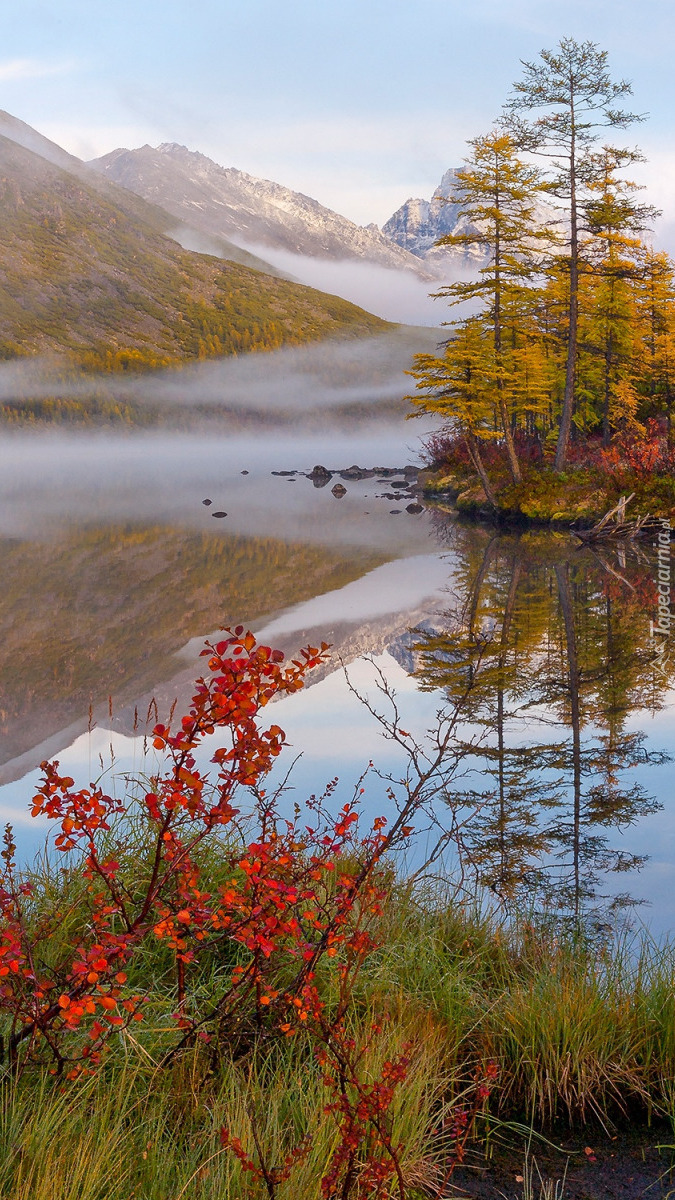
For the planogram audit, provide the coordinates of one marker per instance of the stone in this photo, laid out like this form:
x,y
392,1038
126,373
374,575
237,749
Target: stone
x,y
320,476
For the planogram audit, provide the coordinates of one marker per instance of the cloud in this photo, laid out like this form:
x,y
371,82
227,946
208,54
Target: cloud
x,y
17,69
657,176
394,295
382,161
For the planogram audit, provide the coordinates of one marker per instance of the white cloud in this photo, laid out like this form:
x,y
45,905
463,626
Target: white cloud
x,y
657,176
14,69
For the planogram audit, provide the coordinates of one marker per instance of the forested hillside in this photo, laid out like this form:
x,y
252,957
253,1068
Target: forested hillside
x,y
83,279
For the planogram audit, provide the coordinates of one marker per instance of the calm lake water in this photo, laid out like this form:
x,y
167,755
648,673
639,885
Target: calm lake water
x,y
114,570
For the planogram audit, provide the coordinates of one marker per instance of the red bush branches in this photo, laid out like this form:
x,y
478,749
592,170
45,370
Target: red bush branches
x,y
291,905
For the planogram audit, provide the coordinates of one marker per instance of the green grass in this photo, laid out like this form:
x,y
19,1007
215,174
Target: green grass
x,y
582,1032
142,1133
583,1035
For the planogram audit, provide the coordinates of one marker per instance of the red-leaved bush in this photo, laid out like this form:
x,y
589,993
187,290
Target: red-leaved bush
x,y
289,924
640,455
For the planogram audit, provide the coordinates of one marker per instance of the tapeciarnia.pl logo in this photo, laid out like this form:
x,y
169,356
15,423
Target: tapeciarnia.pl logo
x,y
659,630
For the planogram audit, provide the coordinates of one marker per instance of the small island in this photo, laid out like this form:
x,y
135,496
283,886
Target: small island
x,y
638,471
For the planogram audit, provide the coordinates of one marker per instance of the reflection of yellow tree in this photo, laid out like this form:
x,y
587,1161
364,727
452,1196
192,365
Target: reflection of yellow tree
x,y
487,655
546,644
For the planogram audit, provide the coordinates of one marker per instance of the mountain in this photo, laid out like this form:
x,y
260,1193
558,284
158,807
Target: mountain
x,y
86,271
136,208
418,224
225,202
98,595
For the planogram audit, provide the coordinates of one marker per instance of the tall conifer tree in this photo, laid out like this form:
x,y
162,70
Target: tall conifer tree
x,y
498,193
571,97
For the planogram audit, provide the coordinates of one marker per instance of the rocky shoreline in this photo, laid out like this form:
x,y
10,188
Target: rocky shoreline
x,y
402,482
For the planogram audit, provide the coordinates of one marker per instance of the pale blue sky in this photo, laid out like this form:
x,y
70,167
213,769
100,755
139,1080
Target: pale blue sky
x,y
360,103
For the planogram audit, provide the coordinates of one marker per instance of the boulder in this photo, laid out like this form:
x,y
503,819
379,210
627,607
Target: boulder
x,y
320,476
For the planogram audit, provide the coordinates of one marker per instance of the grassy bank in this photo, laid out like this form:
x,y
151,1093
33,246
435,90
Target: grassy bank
x,y
592,483
582,1035
203,995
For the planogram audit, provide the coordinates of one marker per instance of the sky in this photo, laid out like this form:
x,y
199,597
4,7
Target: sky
x,y
358,103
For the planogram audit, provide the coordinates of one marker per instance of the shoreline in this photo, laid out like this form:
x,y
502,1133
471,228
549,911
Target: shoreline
x,y
573,500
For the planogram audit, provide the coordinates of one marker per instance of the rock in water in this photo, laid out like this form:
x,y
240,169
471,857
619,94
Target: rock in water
x,y
320,476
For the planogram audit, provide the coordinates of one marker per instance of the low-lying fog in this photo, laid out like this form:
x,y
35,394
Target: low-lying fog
x,y
392,294
300,383
49,480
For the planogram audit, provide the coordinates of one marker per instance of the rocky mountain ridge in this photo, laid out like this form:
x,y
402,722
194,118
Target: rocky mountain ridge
x,y
418,224
88,274
255,212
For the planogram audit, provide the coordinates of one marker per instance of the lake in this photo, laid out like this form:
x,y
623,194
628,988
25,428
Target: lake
x,y
115,569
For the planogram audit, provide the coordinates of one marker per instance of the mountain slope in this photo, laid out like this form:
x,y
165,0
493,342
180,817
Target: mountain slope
x,y
82,273
222,201
134,206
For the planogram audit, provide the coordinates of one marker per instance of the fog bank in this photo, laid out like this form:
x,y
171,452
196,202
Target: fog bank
x,y
299,382
54,480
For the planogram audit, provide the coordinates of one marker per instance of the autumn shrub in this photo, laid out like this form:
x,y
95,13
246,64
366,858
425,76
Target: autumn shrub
x,y
640,455
263,951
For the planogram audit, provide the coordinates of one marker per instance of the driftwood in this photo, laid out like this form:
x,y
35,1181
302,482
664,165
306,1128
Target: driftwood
x,y
614,526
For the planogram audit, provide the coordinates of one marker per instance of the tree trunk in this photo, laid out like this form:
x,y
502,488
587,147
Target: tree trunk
x,y
501,748
570,370
514,465
565,595
474,452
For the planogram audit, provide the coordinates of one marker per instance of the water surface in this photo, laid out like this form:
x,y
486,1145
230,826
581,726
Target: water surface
x,y
116,570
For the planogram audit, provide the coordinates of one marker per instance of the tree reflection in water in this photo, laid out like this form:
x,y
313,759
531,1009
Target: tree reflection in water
x,y
550,647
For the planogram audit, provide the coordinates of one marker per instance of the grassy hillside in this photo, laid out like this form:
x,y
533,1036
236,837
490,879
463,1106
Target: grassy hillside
x,y
83,278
